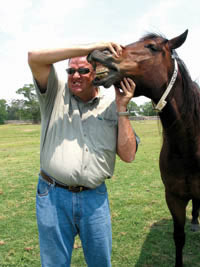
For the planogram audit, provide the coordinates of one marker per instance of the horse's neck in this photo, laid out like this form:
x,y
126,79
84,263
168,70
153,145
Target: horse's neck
x,y
174,130
171,115
172,111
180,129
182,108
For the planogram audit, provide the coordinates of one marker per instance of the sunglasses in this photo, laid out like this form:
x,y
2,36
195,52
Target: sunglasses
x,y
80,70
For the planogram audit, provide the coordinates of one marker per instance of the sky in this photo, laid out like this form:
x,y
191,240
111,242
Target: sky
x,y
27,25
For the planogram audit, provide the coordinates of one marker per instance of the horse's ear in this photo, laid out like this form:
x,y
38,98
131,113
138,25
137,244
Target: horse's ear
x,y
178,41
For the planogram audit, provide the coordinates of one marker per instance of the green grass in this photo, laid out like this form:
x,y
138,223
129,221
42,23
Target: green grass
x,y
142,225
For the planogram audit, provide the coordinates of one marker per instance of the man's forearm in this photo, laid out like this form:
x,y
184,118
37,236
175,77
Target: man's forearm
x,y
50,56
126,143
40,61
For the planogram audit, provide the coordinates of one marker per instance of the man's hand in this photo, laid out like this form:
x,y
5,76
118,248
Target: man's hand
x,y
126,143
114,48
124,95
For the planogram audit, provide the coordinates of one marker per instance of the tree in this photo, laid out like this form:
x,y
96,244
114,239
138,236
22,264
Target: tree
x,y
3,111
147,110
133,107
31,105
15,109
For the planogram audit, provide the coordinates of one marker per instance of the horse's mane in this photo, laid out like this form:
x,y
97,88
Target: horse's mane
x,y
191,89
152,35
191,93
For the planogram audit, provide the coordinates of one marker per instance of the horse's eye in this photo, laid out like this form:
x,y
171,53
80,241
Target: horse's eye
x,y
152,47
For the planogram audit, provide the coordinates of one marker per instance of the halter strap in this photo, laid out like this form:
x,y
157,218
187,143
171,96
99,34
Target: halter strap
x,y
161,104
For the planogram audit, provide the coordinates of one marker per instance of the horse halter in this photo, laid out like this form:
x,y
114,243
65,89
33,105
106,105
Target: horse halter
x,y
162,102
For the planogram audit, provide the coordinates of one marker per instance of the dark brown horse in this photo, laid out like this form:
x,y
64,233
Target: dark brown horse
x,y
161,75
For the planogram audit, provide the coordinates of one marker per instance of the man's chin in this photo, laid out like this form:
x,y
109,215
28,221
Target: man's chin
x,y
76,90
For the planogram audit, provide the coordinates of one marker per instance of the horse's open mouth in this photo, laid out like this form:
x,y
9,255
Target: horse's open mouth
x,y
107,72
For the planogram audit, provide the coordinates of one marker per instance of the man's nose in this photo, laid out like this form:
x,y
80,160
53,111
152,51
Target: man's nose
x,y
76,74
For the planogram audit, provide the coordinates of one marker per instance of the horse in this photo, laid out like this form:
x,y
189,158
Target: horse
x,y
159,74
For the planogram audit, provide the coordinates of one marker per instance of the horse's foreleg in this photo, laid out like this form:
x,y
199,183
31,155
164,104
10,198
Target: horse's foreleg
x,y
195,214
179,240
177,208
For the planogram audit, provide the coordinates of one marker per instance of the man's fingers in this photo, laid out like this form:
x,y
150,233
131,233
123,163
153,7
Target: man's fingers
x,y
116,49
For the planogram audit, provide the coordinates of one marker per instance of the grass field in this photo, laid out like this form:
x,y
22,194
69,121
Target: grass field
x,y
142,225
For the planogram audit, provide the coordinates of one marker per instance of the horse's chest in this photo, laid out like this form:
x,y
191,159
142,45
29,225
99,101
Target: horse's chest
x,y
181,176
184,187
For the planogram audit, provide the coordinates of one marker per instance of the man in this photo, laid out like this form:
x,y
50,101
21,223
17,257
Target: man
x,y
80,135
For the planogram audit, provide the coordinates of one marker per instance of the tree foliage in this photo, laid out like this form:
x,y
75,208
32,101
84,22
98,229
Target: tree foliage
x,y
133,107
31,108
3,111
22,109
147,109
15,110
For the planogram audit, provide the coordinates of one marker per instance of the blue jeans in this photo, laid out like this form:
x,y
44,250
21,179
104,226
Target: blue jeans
x,y
61,215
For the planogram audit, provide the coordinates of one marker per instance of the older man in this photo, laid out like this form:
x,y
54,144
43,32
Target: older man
x,y
81,132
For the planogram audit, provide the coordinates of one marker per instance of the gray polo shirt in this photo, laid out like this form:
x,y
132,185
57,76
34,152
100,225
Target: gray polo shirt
x,y
78,139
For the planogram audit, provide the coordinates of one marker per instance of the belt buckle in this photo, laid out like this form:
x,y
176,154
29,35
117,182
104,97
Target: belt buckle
x,y
75,189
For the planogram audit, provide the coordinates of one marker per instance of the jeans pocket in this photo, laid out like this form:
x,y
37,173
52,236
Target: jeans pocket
x,y
43,188
102,189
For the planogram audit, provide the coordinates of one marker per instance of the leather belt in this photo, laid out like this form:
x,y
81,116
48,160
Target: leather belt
x,y
74,189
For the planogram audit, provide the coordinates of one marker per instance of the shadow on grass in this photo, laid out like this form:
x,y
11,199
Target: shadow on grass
x,y
159,250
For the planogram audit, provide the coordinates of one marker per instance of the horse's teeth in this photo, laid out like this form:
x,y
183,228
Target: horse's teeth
x,y
101,72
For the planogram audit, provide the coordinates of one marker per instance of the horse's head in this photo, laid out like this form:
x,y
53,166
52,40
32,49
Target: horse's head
x,y
148,62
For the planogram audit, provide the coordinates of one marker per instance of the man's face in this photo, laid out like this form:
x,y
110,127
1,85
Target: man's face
x,y
81,84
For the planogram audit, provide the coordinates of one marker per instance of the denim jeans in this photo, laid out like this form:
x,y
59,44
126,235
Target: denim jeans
x,y
61,215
